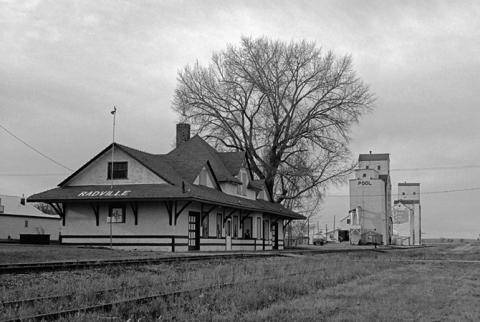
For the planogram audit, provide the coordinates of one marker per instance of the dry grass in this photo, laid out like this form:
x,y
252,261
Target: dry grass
x,y
411,293
370,286
16,253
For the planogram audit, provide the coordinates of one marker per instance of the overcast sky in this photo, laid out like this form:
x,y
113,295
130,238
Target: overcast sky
x,y
65,64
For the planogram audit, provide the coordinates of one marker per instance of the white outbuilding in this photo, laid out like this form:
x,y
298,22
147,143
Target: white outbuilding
x,y
19,218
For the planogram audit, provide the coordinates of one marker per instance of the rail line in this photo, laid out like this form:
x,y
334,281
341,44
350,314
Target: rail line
x,y
211,284
70,265
102,293
140,299
35,267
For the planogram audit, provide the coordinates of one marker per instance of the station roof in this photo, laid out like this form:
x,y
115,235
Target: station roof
x,y
160,192
178,169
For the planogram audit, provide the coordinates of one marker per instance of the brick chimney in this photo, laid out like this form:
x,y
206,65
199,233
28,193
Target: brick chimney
x,y
183,133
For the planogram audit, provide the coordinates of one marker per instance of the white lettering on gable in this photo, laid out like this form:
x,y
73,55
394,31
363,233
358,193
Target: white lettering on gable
x,y
104,193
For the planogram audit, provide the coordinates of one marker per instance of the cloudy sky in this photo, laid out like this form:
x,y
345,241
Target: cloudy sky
x,y
65,64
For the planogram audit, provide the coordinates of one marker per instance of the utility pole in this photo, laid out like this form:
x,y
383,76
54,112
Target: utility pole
x,y
333,225
308,231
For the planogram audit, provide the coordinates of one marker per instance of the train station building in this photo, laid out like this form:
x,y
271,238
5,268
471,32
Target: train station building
x,y
192,198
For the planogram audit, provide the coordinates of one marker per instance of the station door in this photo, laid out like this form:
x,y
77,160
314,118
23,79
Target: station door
x,y
193,230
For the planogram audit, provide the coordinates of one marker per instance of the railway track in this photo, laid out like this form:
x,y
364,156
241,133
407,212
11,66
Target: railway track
x,y
166,289
108,305
18,268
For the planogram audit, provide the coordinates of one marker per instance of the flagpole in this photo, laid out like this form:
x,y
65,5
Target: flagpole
x,y
114,112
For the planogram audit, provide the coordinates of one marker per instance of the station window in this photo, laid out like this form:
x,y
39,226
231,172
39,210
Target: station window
x,y
244,184
120,170
367,167
26,223
259,228
379,167
205,226
116,213
235,227
203,177
364,175
219,225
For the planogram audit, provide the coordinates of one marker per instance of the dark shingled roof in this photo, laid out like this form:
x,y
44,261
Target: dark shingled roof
x,y
179,169
257,184
158,192
135,191
188,169
233,161
197,149
374,157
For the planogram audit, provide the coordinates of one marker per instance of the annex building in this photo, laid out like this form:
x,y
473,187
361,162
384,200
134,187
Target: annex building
x,y
20,218
192,198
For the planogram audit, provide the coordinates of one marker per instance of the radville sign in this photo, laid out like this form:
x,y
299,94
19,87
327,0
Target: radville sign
x,y
109,193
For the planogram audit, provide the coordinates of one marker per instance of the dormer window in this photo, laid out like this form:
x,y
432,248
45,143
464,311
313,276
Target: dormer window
x,y
203,177
242,189
244,184
120,170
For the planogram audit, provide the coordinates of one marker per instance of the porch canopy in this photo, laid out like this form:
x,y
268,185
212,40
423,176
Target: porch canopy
x,y
159,192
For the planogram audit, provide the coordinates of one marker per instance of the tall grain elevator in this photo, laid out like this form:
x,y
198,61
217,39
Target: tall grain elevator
x,y
370,198
407,216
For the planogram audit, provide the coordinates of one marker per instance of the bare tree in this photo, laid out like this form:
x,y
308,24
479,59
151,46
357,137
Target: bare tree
x,y
45,208
289,106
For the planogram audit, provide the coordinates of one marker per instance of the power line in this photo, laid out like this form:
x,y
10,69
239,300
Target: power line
x,y
438,168
31,147
422,193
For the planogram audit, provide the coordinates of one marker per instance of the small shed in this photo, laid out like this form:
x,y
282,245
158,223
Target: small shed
x,y
371,237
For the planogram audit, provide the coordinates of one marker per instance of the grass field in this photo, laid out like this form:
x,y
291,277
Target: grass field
x,y
423,284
